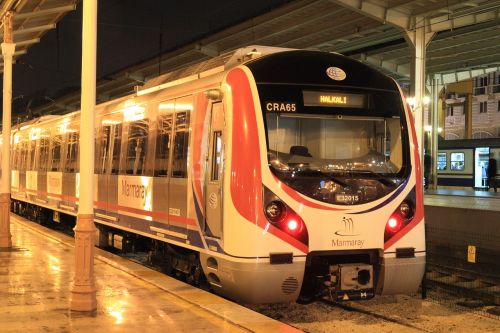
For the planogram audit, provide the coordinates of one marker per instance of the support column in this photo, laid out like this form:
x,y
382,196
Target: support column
x,y
83,293
8,48
468,115
437,86
419,39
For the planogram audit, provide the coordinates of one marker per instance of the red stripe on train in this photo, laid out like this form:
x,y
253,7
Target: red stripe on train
x,y
200,133
246,177
136,211
419,204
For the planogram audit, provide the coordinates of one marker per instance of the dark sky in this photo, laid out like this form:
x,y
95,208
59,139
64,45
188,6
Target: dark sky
x,y
129,31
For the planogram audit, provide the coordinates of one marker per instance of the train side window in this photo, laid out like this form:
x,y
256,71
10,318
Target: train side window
x,y
103,149
116,144
217,156
55,153
24,155
137,147
163,143
72,152
181,139
14,158
44,153
31,154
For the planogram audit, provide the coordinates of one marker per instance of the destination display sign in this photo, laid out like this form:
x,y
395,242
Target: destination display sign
x,y
334,99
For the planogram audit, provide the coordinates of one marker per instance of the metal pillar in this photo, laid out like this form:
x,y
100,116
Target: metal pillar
x,y
8,48
437,86
83,293
419,39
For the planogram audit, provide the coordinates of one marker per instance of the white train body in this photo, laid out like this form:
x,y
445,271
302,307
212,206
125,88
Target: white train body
x,y
295,173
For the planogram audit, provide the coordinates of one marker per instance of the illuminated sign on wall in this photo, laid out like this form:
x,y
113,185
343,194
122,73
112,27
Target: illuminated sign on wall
x,y
334,99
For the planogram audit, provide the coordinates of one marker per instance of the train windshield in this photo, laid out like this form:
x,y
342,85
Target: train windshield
x,y
335,157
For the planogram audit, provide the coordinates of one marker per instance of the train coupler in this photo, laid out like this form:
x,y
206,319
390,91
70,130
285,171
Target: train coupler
x,y
350,282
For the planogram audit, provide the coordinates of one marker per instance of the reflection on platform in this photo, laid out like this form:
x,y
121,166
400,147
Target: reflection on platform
x,y
36,278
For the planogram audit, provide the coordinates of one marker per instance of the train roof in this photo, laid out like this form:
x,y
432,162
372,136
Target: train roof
x,y
309,67
206,68
285,66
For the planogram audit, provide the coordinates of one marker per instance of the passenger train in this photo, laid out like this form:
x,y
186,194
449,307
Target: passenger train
x,y
277,175
464,164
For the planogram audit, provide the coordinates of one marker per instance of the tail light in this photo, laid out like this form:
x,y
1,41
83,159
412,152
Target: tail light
x,y
401,217
284,218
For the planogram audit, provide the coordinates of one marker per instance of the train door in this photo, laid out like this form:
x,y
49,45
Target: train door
x,y
481,156
213,197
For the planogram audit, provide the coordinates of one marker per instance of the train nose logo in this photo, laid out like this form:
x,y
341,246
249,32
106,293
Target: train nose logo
x,y
348,230
336,73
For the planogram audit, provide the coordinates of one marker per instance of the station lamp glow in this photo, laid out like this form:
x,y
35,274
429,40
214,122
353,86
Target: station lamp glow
x,y
176,106
411,101
428,128
110,122
133,112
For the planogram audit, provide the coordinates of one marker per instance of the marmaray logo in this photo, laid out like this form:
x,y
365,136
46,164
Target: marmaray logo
x,y
348,224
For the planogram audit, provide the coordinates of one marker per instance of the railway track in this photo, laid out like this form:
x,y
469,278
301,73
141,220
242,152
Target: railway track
x,y
359,308
479,290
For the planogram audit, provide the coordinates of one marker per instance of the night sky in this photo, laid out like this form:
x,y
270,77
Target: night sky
x,y
129,32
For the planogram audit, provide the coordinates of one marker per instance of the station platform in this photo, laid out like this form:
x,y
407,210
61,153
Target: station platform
x,y
36,275
462,232
463,199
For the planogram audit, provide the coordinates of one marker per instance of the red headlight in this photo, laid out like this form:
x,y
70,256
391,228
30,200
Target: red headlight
x,y
399,219
393,223
292,225
284,218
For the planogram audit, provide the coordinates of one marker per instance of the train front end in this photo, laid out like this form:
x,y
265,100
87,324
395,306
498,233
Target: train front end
x,y
324,179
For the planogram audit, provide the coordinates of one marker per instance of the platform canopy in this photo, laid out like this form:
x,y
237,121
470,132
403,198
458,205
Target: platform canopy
x,y
466,44
33,18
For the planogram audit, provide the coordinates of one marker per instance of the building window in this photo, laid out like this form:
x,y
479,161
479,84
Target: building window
x,y
450,111
441,163
483,107
457,161
498,106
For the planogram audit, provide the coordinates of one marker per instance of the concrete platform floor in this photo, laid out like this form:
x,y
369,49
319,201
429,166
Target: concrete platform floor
x,y
35,283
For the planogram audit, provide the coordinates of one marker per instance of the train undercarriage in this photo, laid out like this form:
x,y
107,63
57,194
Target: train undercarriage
x,y
171,259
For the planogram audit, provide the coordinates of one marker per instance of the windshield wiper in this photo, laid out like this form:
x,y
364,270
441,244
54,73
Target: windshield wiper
x,y
377,176
323,174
